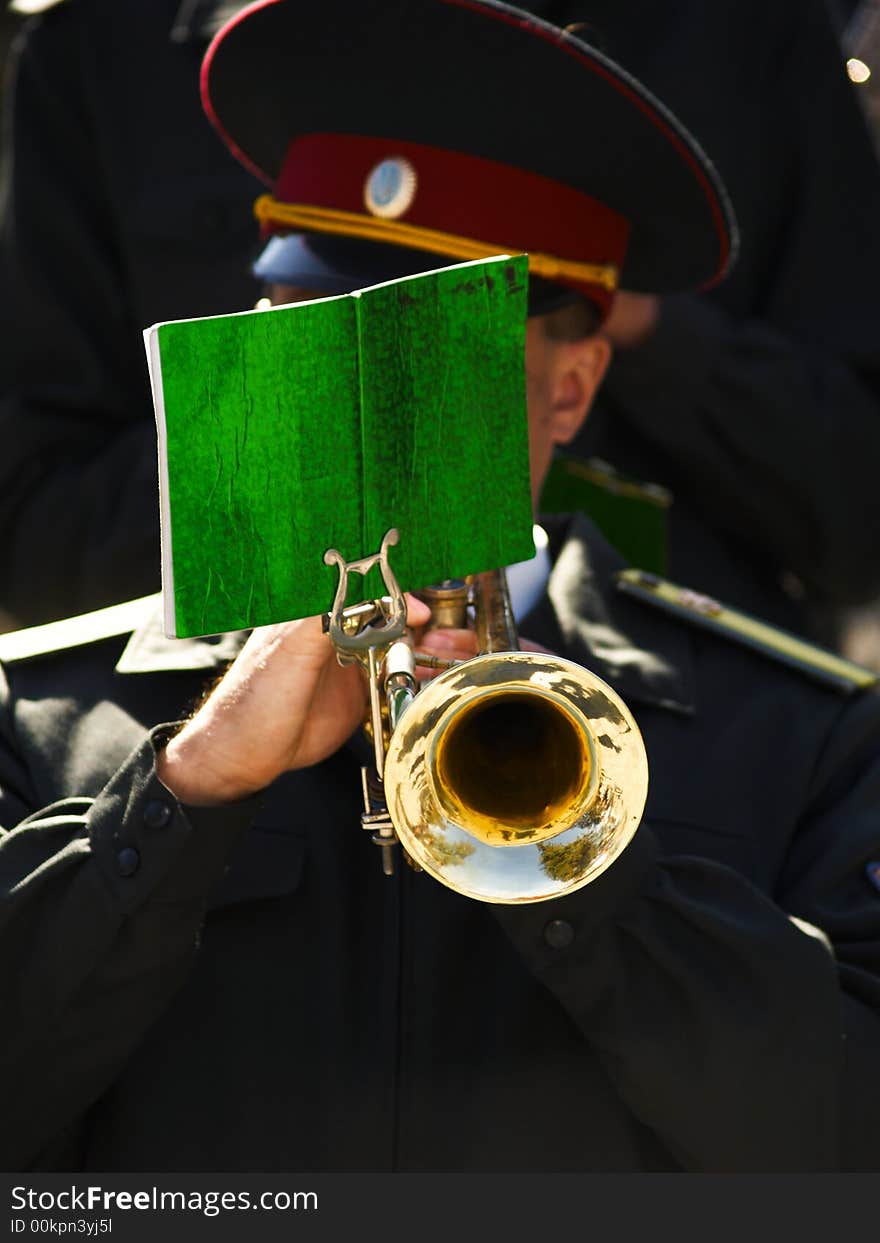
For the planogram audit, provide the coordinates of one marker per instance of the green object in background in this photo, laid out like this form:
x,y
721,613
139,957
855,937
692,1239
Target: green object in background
x,y
631,515
286,431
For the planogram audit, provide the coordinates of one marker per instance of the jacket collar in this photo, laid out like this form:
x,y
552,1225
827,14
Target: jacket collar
x,y
149,651
644,656
639,653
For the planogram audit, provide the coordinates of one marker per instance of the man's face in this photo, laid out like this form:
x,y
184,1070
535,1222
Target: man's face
x,y
561,380
540,401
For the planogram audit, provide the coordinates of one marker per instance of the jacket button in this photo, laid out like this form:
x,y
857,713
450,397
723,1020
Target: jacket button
x,y
127,861
157,814
559,934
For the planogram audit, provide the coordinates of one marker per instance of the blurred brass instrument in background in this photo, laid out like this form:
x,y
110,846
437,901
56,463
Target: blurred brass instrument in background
x,y
510,777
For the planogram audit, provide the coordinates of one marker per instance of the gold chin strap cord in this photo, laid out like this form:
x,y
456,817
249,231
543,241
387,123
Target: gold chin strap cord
x,y
269,210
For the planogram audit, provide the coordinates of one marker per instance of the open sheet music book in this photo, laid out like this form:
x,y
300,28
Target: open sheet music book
x,y
286,431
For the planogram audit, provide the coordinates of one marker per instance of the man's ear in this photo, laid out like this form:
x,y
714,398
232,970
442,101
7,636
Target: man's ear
x,y
578,369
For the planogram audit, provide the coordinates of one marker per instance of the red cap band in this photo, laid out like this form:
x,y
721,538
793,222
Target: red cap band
x,y
456,194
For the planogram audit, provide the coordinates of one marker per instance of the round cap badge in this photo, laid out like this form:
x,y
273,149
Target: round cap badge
x,y
390,187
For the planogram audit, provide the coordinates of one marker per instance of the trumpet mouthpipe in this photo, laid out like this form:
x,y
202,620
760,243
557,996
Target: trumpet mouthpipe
x,y
495,625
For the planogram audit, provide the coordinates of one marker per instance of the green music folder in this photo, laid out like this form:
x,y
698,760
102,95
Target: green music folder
x,y
287,431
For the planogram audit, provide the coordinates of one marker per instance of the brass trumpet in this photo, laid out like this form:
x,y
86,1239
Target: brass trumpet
x,y
510,777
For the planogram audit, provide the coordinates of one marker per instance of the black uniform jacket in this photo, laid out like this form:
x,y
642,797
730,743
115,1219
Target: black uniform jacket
x,y
241,988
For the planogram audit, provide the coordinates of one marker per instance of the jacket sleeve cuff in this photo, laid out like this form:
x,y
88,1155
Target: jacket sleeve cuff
x,y
150,846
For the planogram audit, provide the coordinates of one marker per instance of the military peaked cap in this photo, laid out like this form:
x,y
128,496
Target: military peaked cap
x,y
459,129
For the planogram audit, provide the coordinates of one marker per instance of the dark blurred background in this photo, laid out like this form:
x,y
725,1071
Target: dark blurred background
x,y
861,43
9,23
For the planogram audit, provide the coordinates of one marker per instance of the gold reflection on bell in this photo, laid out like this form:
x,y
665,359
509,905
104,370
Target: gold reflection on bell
x,y
511,763
523,751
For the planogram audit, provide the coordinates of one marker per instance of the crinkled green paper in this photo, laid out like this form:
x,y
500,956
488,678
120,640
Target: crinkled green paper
x,y
292,430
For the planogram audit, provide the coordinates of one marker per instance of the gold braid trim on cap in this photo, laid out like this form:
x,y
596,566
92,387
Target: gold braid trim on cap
x,y
269,210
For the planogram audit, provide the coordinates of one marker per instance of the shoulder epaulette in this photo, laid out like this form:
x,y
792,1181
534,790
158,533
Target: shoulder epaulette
x,y
29,8
75,631
607,477
701,610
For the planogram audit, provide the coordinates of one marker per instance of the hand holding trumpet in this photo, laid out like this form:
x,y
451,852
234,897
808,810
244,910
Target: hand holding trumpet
x,y
284,703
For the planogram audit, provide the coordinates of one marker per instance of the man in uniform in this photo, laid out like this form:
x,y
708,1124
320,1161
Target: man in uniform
x,y
754,402
202,965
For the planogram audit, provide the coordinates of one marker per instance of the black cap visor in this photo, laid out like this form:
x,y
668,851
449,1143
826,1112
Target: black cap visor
x,y
323,264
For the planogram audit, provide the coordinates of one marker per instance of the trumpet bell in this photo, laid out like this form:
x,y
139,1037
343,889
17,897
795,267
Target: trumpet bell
x,y
516,777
